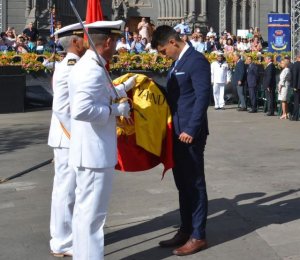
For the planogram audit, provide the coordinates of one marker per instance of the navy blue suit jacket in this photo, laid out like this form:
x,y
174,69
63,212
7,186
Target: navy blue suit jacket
x,y
239,73
270,77
296,75
252,75
188,93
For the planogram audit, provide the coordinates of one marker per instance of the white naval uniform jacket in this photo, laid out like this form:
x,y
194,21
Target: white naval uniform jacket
x,y
220,72
61,102
93,138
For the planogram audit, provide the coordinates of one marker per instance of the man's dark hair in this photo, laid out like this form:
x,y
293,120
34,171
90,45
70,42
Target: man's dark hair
x,y
162,34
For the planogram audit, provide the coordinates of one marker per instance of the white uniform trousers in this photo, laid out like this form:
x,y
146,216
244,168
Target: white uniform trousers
x,y
63,199
92,196
218,89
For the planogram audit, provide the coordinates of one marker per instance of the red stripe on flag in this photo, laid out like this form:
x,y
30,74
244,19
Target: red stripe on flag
x,y
93,14
93,11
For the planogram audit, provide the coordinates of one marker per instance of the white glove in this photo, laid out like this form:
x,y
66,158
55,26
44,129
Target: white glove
x,y
130,83
126,86
120,109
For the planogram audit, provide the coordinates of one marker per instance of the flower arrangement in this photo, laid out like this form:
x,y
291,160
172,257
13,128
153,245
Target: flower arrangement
x,y
145,61
32,62
257,57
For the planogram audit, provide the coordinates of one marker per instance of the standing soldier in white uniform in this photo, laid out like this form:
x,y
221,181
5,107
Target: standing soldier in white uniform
x,y
220,76
64,184
93,146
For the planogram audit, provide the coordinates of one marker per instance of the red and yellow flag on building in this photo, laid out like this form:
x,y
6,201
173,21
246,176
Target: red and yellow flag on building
x,y
149,141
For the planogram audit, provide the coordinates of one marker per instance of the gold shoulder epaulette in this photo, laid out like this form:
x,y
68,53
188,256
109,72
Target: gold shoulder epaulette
x,y
71,62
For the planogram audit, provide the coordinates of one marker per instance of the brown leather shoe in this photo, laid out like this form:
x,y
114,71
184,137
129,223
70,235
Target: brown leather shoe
x,y
192,246
179,239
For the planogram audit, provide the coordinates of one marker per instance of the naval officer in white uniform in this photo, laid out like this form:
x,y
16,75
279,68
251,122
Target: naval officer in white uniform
x,y
220,76
93,146
63,194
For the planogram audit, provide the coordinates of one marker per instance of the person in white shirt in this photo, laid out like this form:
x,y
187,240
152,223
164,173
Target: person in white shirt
x,y
63,193
182,28
197,42
93,143
245,46
220,76
122,45
211,32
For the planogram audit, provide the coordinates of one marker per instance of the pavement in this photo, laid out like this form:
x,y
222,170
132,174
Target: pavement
x,y
253,174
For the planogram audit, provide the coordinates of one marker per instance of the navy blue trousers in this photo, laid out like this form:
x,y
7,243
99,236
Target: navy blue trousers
x,y
190,181
253,98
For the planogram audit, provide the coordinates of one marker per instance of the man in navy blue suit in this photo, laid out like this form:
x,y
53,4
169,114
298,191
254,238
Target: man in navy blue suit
x,y
269,84
252,81
238,80
188,95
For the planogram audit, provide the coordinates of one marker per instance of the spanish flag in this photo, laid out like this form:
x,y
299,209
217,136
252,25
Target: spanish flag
x,y
93,11
148,142
93,14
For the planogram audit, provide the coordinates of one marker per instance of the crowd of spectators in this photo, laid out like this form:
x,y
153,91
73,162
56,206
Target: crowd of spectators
x,y
226,42
29,41
139,41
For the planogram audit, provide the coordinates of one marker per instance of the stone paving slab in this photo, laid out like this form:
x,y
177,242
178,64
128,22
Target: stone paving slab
x,y
252,172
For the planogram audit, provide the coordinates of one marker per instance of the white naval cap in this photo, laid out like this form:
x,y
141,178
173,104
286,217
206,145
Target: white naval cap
x,y
219,53
72,29
106,27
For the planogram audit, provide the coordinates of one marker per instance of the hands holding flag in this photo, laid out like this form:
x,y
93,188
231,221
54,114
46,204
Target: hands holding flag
x,y
123,108
126,86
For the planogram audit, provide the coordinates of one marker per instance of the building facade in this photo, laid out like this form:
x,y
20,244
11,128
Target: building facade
x,y
220,14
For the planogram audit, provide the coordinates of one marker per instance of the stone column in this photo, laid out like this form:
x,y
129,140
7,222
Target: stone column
x,y
181,8
167,9
234,16
171,9
185,9
222,15
28,8
287,6
191,9
203,8
177,7
37,8
163,8
253,7
257,15
275,6
244,5
280,6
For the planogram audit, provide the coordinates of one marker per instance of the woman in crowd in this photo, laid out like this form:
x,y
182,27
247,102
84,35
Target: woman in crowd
x,y
10,37
283,86
21,46
239,44
250,33
256,44
229,48
144,29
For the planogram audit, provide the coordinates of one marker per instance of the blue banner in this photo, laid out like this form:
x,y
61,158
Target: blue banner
x,y
279,27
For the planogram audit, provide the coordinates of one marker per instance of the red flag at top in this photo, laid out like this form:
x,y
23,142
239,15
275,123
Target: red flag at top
x,y
94,14
93,11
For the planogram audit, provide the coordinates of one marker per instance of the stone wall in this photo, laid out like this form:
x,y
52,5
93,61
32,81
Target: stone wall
x,y
15,14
